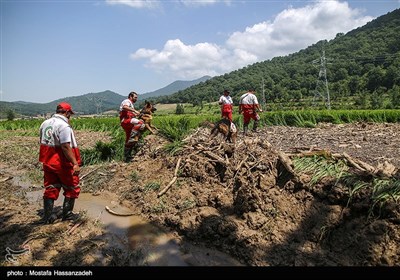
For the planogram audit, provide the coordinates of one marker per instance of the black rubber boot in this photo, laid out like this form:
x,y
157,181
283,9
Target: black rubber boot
x,y
255,125
48,217
68,206
127,154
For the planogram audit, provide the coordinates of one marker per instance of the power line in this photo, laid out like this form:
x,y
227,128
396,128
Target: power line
x,y
379,58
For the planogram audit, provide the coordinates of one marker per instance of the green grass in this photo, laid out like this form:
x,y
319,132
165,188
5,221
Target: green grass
x,y
319,167
176,127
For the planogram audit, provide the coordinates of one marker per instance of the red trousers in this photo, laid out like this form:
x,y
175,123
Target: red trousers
x,y
54,180
250,114
128,127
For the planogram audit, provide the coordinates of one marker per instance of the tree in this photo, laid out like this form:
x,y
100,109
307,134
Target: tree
x,y
179,109
354,85
10,115
361,100
376,100
395,96
375,78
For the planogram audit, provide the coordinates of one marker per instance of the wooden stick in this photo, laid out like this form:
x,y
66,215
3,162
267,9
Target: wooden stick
x,y
216,157
71,230
226,158
163,191
167,187
241,163
257,163
90,172
177,167
324,153
285,160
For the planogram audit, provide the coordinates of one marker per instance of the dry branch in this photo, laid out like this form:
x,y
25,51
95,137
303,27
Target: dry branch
x,y
163,191
323,153
257,163
90,172
215,157
286,161
71,230
353,162
240,164
167,187
177,167
226,158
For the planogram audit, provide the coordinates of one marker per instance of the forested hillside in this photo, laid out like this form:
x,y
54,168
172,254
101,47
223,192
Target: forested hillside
x,y
91,103
362,67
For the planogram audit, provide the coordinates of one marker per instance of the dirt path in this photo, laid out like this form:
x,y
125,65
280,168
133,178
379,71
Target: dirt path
x,y
253,210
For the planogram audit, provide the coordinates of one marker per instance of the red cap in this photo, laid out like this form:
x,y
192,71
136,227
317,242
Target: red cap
x,y
65,107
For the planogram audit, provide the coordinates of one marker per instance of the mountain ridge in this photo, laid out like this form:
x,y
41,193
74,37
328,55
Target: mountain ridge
x,y
93,102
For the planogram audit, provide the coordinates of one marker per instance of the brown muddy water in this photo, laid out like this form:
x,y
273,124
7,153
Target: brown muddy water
x,y
156,246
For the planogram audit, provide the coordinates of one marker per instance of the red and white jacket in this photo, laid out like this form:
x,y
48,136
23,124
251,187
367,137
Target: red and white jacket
x,y
54,132
124,114
248,102
226,103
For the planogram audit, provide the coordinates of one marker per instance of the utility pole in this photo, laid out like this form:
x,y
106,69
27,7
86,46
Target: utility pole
x,y
321,88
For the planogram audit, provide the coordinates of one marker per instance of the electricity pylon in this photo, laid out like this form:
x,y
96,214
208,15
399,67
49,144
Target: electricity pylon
x,y
321,88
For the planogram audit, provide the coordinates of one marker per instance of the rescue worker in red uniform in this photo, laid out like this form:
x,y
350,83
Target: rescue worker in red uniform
x,y
61,160
132,126
226,105
248,106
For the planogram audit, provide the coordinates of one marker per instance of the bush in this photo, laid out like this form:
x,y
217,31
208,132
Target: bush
x,y
10,115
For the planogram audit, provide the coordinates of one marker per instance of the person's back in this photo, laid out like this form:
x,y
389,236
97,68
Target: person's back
x,y
248,101
54,132
248,106
59,154
226,103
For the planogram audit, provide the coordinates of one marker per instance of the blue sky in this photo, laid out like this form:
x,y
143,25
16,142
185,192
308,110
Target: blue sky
x,y
52,49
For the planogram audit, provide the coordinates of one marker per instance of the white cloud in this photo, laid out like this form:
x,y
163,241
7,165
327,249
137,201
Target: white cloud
x,y
188,60
134,3
291,30
294,29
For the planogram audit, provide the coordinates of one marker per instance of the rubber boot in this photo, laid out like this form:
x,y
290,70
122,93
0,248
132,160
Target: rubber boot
x,y
127,154
255,125
245,128
48,217
68,206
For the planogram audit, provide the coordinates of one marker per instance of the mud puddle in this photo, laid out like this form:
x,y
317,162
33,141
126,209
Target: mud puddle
x,y
153,245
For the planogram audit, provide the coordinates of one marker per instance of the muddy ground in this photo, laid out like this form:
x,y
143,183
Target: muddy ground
x,y
244,202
